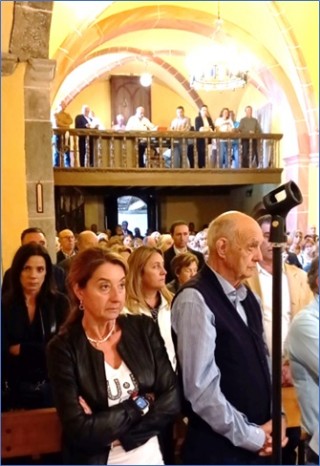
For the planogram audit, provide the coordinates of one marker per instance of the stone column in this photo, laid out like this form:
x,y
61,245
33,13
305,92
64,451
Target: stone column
x,y
9,62
38,149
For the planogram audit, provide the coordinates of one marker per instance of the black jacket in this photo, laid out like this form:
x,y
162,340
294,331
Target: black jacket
x,y
76,368
201,145
30,365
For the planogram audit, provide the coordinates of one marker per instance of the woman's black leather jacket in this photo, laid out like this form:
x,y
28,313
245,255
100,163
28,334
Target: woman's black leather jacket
x,y
76,369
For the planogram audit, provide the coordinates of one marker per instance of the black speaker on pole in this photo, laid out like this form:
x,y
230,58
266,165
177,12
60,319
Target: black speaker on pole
x,y
278,203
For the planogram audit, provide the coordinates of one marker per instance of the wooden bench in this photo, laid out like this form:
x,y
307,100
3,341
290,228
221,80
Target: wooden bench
x,y
32,432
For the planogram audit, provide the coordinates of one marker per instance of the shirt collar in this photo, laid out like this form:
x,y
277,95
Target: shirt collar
x,y
234,294
179,251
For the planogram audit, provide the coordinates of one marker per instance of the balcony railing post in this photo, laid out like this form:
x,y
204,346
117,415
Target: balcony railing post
x,y
112,152
184,162
99,147
136,151
87,152
124,152
195,153
161,160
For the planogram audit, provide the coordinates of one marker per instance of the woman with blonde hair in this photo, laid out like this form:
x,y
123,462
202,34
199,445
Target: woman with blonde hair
x,y
148,295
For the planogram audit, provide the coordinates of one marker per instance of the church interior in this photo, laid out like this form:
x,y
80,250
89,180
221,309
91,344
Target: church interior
x,y
71,52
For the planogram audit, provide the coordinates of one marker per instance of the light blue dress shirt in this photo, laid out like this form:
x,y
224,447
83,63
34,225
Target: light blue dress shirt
x,y
302,344
194,323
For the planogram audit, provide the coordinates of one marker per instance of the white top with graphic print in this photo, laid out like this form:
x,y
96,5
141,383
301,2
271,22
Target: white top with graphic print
x,y
121,383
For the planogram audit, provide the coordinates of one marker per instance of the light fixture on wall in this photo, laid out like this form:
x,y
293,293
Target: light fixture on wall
x,y
146,78
39,198
220,66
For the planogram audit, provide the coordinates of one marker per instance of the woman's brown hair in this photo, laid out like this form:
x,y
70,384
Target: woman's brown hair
x,y
83,266
182,260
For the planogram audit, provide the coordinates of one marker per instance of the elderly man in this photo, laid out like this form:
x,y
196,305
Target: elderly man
x,y
83,121
139,122
221,351
249,124
86,239
67,245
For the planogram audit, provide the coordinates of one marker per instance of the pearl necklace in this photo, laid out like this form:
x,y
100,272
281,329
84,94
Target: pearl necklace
x,y
97,342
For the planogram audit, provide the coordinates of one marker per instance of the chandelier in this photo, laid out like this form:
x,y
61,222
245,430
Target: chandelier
x,y
220,66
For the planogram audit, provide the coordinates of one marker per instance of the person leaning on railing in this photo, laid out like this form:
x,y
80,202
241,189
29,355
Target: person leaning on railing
x,y
249,124
61,120
138,122
203,122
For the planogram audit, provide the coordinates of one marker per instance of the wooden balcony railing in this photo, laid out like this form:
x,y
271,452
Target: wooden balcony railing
x,y
169,150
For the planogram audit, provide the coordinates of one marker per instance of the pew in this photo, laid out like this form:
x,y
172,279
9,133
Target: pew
x,y
32,432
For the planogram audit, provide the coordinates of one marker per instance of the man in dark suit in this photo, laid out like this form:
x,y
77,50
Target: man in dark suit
x,y
180,234
203,122
83,121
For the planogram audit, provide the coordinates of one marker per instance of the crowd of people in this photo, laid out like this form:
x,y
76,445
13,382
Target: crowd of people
x,y
225,123
128,335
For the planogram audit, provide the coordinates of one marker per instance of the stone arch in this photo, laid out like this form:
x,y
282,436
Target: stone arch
x,y
134,52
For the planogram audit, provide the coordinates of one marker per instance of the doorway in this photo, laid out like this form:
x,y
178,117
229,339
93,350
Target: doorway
x,y
133,210
139,207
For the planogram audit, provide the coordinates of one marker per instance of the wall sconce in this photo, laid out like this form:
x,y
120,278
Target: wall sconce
x,y
146,79
39,197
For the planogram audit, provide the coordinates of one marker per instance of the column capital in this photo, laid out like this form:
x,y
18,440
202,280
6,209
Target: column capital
x,y
39,72
9,62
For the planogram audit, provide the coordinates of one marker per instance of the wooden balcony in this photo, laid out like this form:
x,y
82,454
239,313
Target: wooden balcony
x,y
171,158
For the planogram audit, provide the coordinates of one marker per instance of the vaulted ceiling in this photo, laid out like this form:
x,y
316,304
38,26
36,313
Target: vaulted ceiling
x,y
95,39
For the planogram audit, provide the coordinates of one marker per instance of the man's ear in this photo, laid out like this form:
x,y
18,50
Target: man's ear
x,y
222,246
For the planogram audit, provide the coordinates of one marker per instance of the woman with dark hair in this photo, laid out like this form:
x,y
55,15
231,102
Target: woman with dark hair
x,y
148,295
32,312
113,384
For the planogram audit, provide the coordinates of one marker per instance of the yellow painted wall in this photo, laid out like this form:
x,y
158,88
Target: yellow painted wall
x,y
97,96
6,21
300,14
164,103
14,210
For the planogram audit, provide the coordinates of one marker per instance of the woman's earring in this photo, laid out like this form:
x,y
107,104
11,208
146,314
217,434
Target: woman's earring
x,y
81,307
